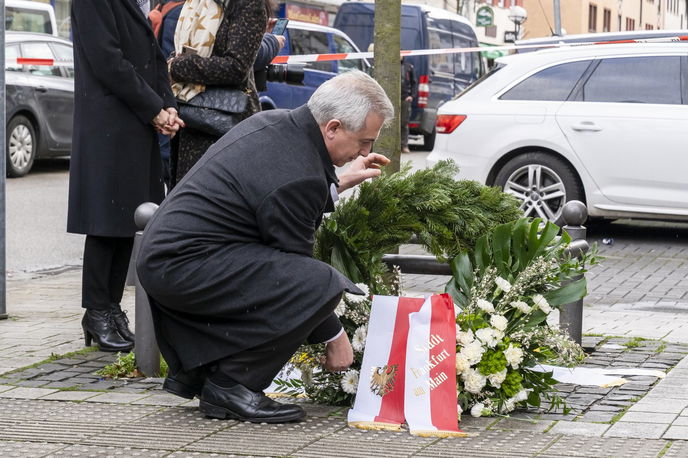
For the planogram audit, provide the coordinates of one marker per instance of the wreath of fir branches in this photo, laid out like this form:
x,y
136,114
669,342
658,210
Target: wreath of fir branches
x,y
446,215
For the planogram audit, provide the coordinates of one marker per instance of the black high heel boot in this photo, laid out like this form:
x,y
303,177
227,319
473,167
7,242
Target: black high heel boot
x,y
100,326
122,323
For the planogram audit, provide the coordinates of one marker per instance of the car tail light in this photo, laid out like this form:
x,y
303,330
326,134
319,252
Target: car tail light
x,y
414,125
423,91
447,123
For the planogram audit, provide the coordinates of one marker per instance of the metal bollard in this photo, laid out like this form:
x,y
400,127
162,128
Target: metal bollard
x,y
146,348
571,315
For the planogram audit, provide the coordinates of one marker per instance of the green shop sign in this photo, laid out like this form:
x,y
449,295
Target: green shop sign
x,y
484,17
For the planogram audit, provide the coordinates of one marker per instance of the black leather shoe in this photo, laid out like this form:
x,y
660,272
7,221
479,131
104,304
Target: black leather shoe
x,y
100,326
240,403
185,384
122,323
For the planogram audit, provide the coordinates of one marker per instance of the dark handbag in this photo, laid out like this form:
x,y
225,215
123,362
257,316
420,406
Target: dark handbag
x,y
214,111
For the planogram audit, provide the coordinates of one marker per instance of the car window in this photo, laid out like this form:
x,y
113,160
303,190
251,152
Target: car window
x,y
65,55
11,55
464,62
310,42
27,20
553,83
343,46
440,37
635,80
40,50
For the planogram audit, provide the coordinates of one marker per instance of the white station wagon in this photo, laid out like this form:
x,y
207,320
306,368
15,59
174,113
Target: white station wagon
x,y
605,124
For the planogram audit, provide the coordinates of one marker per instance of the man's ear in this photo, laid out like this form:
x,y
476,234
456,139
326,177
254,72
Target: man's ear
x,y
331,128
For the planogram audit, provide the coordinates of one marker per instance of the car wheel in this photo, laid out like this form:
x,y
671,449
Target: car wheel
x,y
21,146
429,140
542,182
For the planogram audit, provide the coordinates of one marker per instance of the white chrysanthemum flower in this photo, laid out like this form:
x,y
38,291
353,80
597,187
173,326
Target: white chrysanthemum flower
x,y
459,411
503,284
497,379
340,309
473,381
485,306
499,322
464,338
363,287
521,306
359,338
477,410
521,396
508,406
541,303
489,336
473,352
462,364
514,356
350,381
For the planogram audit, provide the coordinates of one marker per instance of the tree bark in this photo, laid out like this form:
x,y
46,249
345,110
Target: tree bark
x,y
387,72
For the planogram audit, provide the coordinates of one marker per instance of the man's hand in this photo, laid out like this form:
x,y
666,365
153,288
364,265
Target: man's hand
x,y
361,169
338,354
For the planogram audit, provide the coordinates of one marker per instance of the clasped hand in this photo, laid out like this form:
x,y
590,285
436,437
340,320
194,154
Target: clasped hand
x,y
167,122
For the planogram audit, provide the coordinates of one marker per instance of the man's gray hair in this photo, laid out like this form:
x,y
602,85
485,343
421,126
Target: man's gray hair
x,y
350,97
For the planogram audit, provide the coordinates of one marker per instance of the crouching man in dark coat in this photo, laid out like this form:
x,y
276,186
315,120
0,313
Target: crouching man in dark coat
x,y
227,258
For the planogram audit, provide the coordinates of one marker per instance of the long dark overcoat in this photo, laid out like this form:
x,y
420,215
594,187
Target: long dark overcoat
x,y
228,255
121,84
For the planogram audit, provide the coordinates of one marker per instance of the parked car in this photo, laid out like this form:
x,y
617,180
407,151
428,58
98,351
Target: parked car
x,y
604,124
536,44
307,38
26,16
441,76
39,100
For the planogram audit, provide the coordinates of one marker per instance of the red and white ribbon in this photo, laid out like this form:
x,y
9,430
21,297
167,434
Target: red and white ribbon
x,y
408,371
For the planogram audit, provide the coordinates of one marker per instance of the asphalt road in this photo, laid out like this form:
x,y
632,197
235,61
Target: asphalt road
x,y
37,219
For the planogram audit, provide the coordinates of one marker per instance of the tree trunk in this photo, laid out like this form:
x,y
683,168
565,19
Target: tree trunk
x,y
387,72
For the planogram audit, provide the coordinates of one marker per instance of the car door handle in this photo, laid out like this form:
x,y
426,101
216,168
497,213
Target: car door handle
x,y
41,89
586,126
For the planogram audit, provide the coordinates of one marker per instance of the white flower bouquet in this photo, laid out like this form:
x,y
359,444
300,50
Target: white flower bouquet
x,y
505,292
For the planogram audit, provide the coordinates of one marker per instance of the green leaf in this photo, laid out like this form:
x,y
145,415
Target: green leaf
x,y
501,247
568,293
536,317
463,272
518,244
534,399
482,253
345,265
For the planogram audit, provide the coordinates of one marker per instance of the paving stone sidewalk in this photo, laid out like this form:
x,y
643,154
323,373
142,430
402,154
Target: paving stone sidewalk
x,y
62,409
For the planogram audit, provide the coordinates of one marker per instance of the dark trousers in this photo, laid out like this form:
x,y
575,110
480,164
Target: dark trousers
x,y
405,114
256,367
106,261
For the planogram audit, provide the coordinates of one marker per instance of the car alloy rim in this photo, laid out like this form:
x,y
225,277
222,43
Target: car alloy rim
x,y
540,189
21,146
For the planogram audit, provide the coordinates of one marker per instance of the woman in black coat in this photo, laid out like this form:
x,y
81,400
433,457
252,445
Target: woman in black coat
x,y
122,95
230,64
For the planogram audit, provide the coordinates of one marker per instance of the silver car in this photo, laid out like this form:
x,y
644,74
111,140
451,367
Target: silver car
x,y
40,99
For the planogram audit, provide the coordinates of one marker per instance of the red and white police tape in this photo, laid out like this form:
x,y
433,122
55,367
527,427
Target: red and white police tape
x,y
306,58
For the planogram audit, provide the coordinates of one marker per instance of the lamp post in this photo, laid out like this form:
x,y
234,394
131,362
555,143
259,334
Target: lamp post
x,y
517,15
